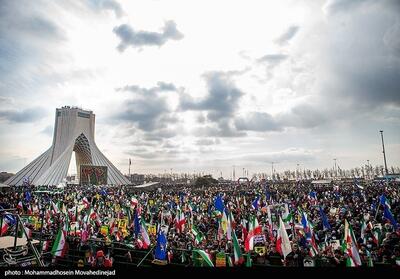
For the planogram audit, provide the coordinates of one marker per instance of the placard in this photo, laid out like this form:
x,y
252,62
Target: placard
x,y
122,223
220,260
151,229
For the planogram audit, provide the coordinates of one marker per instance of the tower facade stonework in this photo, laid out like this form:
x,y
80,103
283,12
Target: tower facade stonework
x,y
74,130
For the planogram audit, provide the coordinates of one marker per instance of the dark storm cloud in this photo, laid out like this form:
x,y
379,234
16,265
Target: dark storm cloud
x,y
257,121
100,5
22,116
138,39
287,35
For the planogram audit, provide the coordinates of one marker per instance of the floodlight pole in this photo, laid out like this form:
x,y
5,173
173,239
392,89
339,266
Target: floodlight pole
x,y
384,154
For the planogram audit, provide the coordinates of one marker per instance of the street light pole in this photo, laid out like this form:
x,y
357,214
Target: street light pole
x,y
335,168
383,151
272,169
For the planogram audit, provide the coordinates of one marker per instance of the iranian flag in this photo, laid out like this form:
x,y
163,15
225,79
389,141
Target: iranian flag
x,y
313,246
145,235
179,220
198,236
4,227
363,229
86,202
351,246
56,210
254,229
232,220
66,223
45,245
282,242
19,205
134,202
377,234
206,257
28,232
229,228
239,259
58,249
92,214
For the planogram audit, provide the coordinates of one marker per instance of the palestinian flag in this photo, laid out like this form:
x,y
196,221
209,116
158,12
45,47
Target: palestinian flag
x,y
237,253
206,257
198,236
58,249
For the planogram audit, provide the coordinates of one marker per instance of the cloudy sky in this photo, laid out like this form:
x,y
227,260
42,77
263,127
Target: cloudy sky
x,y
205,85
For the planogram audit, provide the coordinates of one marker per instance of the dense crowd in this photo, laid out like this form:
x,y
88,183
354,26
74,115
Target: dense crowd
x,y
316,218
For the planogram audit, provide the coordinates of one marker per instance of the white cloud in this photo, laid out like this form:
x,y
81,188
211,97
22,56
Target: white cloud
x,y
287,80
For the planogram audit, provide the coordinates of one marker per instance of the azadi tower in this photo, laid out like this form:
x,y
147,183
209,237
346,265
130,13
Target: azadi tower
x,y
73,131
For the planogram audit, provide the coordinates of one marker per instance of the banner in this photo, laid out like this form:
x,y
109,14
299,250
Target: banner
x,y
94,175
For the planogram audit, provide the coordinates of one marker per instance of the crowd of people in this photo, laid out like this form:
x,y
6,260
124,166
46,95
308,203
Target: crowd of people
x,y
338,224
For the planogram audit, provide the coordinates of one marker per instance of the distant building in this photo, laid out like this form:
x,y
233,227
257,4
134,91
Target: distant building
x,y
137,179
5,175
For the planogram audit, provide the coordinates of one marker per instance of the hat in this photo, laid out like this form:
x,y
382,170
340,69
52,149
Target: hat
x,y
100,254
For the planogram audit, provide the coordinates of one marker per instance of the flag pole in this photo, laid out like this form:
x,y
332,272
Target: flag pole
x,y
376,214
145,256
